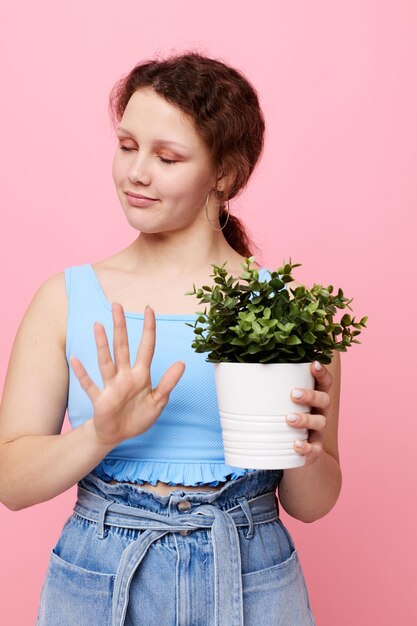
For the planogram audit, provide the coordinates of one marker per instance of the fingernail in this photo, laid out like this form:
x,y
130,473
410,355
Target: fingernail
x,y
299,444
292,417
297,393
317,366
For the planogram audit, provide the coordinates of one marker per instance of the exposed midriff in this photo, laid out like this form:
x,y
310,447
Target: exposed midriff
x,y
165,489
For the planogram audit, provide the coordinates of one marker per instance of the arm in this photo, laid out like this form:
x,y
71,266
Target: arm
x,y
36,462
310,492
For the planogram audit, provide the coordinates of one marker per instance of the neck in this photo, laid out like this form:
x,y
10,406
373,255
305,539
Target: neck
x,y
175,253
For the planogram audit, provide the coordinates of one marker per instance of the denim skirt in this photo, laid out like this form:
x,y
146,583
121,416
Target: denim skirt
x,y
127,556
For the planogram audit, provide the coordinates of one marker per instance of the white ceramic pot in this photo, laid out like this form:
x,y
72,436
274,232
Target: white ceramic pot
x,y
253,400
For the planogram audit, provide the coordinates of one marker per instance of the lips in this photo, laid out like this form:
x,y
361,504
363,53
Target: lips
x,y
139,195
140,201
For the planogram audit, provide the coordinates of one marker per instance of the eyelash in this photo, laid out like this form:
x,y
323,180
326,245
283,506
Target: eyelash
x,y
167,161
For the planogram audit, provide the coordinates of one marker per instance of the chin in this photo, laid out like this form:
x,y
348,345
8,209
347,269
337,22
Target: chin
x,y
143,226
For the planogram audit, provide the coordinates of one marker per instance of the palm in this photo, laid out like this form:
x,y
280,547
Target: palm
x,y
127,406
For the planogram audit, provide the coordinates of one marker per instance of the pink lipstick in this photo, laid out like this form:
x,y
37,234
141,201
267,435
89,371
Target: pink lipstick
x,y
139,200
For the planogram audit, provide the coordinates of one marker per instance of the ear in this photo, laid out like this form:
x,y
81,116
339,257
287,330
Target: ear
x,y
224,182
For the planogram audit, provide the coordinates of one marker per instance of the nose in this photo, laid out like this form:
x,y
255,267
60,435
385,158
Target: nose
x,y
139,170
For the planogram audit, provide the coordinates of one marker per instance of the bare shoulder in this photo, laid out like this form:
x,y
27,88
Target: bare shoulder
x,y
50,302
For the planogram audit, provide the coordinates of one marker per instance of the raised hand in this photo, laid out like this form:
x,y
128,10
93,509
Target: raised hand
x,y
127,406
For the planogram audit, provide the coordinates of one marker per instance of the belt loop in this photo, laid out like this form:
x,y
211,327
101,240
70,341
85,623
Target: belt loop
x,y
246,509
100,521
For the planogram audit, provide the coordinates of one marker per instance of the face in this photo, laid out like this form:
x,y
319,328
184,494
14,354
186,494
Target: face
x,y
161,156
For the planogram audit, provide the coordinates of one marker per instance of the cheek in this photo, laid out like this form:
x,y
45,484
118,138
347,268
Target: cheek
x,y
184,184
120,166
114,169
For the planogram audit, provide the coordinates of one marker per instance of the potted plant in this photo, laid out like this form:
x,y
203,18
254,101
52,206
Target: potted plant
x,y
262,337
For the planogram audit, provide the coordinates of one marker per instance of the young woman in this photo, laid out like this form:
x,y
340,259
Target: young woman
x,y
163,531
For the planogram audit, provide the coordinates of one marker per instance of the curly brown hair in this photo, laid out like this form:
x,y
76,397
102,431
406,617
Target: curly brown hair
x,y
226,113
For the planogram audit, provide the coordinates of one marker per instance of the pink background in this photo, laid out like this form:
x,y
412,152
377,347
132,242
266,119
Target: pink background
x,y
336,190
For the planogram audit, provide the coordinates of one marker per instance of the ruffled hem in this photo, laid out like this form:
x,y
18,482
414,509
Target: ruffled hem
x,y
190,474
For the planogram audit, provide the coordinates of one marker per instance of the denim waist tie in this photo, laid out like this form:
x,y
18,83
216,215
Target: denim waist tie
x,y
226,550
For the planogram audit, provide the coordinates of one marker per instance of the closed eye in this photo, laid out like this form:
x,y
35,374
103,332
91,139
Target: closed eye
x,y
168,161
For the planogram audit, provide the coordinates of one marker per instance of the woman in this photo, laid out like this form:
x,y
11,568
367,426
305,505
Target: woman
x,y
163,531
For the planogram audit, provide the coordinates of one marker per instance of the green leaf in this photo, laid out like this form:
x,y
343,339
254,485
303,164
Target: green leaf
x,y
256,327
276,284
247,320
293,340
301,351
346,320
306,316
309,338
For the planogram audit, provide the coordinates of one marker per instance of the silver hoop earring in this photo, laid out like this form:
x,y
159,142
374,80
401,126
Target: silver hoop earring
x,y
209,220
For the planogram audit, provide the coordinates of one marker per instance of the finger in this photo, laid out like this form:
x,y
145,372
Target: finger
x,y
104,359
312,421
86,383
310,450
324,379
168,382
147,341
311,397
120,340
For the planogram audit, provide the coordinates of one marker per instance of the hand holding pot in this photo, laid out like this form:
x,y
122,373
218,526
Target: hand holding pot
x,y
316,421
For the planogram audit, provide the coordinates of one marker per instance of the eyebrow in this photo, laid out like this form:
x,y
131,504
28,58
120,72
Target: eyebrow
x,y
157,142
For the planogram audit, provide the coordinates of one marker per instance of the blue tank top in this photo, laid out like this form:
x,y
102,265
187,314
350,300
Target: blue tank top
x,y
184,446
